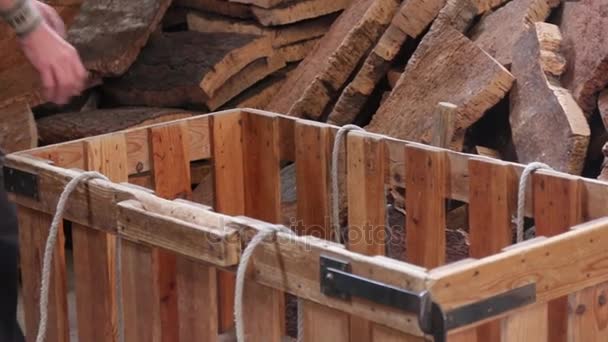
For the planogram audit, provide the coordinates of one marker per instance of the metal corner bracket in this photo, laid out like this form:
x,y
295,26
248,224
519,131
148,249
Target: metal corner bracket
x,y
20,182
337,281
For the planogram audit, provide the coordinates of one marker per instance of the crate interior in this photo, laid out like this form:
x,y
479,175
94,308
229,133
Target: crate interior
x,y
278,169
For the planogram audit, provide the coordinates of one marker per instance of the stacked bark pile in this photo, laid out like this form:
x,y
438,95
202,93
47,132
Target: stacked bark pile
x,y
529,72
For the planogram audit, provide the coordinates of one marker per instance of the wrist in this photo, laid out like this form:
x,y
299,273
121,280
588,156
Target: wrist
x,y
24,17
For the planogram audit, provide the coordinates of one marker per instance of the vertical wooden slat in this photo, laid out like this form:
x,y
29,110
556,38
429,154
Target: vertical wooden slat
x,y
557,207
313,160
425,179
426,185
588,320
366,209
193,312
491,203
141,312
324,324
229,176
529,324
259,196
33,232
94,251
262,201
366,170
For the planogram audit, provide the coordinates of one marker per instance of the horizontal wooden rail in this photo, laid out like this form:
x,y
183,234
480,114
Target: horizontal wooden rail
x,y
287,263
559,265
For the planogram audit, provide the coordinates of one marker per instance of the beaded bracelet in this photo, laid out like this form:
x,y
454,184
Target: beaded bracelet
x,y
24,17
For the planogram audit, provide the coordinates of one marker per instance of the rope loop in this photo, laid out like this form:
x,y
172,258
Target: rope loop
x,y
50,246
268,231
521,195
334,177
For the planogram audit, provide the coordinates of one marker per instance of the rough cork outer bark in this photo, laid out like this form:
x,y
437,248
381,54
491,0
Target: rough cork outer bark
x,y
542,112
317,61
248,76
18,131
459,14
410,20
292,12
583,26
259,95
328,83
498,32
297,51
223,7
109,34
76,125
185,67
280,36
478,83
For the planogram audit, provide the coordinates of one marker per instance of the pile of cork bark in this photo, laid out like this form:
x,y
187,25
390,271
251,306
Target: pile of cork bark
x,y
523,80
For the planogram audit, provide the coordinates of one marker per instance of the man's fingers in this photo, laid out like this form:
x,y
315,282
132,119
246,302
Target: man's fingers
x,y
48,84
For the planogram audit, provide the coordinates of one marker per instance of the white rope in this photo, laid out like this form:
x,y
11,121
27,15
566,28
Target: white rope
x,y
521,196
335,198
50,246
242,272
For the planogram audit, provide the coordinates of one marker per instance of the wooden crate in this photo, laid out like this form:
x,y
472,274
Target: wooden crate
x,y
179,257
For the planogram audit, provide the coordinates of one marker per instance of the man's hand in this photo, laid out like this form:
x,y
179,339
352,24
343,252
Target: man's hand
x,y
58,62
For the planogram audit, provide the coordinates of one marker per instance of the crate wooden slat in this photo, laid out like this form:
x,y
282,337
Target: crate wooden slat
x,y
191,296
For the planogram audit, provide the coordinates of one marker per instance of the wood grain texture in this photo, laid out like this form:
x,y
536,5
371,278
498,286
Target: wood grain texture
x,y
69,126
142,318
313,214
490,208
229,186
247,77
18,131
551,113
187,289
317,62
101,24
477,85
586,50
426,180
321,322
94,251
171,174
554,272
588,320
528,324
33,233
366,209
262,195
178,68
344,61
498,32
313,160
